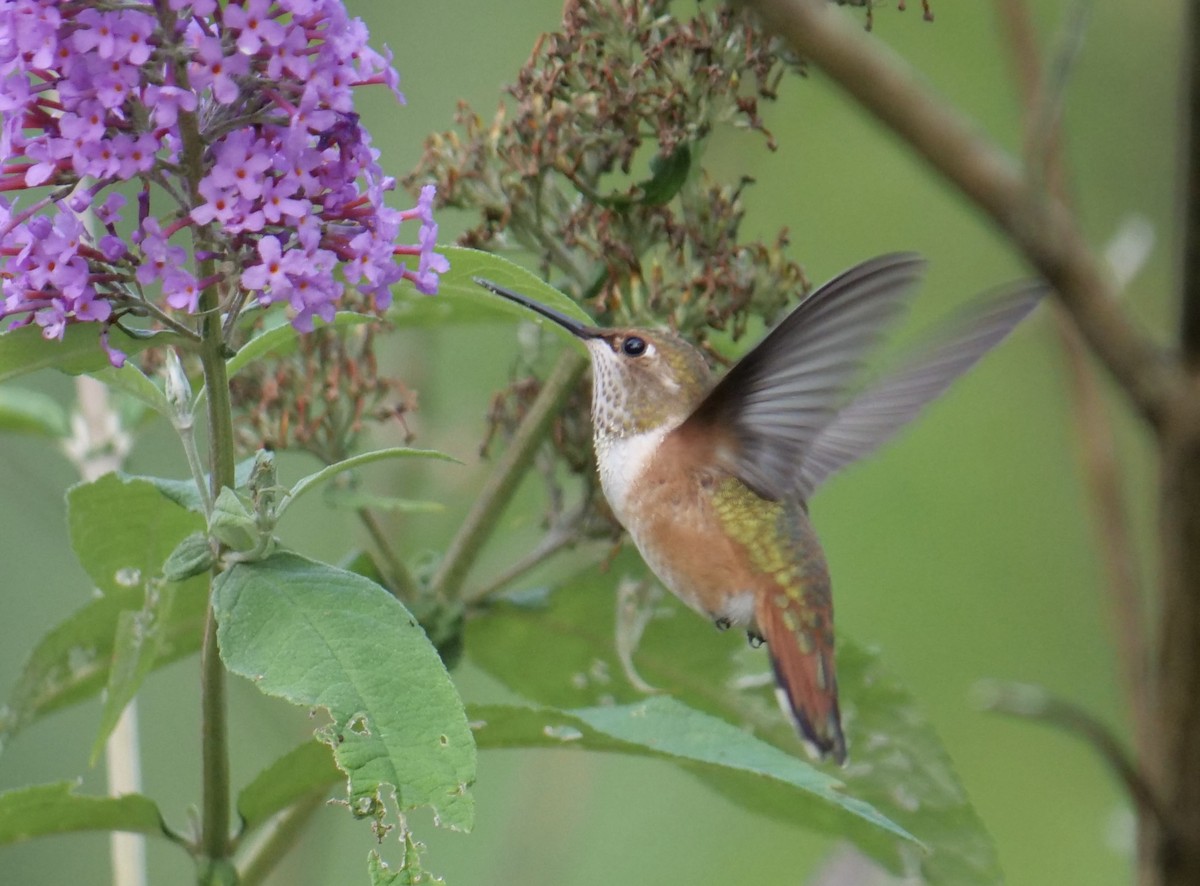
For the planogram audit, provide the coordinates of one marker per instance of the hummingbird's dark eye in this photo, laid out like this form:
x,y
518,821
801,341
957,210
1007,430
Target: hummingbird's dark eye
x,y
633,346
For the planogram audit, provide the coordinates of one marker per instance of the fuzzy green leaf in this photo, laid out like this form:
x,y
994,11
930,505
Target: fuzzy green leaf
x,y
410,872
281,340
56,809
142,637
131,380
313,480
560,650
320,636
31,412
128,554
130,550
460,299
72,662
184,492
663,727
24,350
304,770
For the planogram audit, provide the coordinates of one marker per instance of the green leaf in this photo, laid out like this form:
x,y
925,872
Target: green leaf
x,y
31,412
320,636
302,771
329,471
354,499
55,809
663,727
282,339
184,492
411,873
131,380
461,300
561,651
669,173
142,637
71,663
191,557
123,529
24,350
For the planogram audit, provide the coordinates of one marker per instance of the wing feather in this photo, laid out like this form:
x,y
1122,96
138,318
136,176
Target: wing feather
x,y
879,412
781,395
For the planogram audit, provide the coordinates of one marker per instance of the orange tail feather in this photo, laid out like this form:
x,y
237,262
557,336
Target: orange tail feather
x,y
802,656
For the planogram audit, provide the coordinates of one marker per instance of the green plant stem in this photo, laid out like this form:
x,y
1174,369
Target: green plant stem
x,y
214,735
259,861
561,535
214,817
510,469
400,581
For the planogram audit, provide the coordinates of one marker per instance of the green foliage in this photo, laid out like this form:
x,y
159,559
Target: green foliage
x,y
304,484
131,380
304,770
663,727
123,529
281,339
73,661
410,873
320,636
55,809
560,651
142,639
462,300
31,412
24,350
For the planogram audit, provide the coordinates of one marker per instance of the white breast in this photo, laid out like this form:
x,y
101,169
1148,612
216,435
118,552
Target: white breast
x,y
621,462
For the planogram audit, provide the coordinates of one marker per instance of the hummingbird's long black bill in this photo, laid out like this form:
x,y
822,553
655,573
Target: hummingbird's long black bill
x,y
573,326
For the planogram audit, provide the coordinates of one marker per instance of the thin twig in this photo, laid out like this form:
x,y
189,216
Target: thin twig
x,y
466,545
399,580
562,534
1034,703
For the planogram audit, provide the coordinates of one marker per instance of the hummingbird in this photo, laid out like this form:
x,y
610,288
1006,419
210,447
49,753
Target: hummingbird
x,y
711,477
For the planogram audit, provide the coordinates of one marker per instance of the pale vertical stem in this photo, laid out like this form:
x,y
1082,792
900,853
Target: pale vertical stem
x,y
98,447
123,762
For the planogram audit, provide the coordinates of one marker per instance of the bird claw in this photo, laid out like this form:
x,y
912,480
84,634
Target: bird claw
x,y
755,638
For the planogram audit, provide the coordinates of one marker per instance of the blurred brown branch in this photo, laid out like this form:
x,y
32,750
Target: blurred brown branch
x,y
1097,441
1163,386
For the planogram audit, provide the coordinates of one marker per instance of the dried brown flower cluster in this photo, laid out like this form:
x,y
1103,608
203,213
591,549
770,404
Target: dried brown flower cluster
x,y
592,169
318,397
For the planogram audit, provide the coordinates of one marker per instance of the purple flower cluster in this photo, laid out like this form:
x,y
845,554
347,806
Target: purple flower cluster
x,y
230,128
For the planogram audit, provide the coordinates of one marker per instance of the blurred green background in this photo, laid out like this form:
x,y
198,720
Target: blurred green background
x,y
964,551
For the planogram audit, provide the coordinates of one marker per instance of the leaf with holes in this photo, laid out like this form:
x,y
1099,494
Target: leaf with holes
x,y
320,636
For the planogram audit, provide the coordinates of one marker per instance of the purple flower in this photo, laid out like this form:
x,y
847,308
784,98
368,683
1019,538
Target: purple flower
x,y
181,290
212,68
254,25
241,160
290,193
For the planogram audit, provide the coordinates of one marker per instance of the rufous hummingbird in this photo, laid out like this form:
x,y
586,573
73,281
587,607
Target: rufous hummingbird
x,y
712,479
